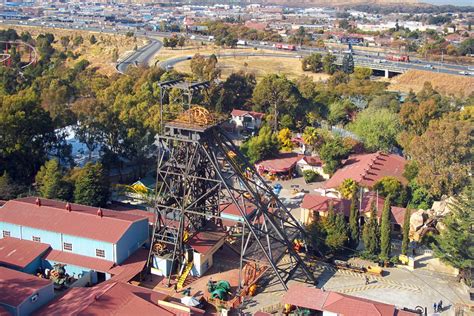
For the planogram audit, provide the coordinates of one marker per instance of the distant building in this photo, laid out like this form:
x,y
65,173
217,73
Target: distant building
x,y
21,293
247,119
89,240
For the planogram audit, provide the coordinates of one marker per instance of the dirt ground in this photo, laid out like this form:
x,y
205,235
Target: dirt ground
x,y
460,86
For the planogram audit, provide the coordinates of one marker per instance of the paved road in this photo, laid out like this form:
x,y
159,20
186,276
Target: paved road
x,y
140,57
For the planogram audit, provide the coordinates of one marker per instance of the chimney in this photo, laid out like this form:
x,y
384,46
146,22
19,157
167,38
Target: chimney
x,y
68,207
38,202
99,212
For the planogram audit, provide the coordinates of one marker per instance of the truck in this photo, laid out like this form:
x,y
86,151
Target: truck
x,y
403,58
285,46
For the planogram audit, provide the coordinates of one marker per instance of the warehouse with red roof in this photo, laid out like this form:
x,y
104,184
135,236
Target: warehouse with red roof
x,y
88,240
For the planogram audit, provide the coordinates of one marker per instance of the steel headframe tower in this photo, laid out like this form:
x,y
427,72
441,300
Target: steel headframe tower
x,y
199,172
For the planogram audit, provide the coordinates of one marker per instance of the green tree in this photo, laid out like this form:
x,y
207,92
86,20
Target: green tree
x,y
332,153
27,133
312,63
406,231
204,68
385,230
353,223
378,128
328,63
348,188
65,42
370,233
50,182
337,234
362,73
391,186
92,39
8,189
340,111
454,243
276,94
443,154
91,186
262,146
348,63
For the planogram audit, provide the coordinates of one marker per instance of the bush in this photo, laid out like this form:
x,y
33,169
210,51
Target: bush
x,y
310,176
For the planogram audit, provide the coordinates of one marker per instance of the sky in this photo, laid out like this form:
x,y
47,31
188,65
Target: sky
x,y
453,2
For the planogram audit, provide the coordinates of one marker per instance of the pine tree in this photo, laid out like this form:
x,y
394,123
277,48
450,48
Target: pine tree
x,y
406,232
385,230
91,186
370,234
454,243
50,183
353,225
348,63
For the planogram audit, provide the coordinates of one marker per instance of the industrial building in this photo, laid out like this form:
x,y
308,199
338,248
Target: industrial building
x,y
89,241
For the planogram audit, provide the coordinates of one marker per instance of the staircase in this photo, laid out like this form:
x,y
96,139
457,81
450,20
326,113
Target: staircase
x,y
184,275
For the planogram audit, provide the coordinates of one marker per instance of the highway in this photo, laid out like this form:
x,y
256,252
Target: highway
x,y
141,56
362,58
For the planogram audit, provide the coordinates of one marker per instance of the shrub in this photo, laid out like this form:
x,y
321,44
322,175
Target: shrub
x,y
310,176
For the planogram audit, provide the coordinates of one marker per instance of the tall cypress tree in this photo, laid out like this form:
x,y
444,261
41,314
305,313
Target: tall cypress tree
x,y
406,232
370,234
385,230
353,226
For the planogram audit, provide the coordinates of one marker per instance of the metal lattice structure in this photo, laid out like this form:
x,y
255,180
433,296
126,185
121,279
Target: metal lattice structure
x,y
199,171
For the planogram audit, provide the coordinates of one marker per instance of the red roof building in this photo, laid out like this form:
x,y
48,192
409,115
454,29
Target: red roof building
x,y
284,163
115,298
314,205
340,304
79,220
21,254
22,293
367,169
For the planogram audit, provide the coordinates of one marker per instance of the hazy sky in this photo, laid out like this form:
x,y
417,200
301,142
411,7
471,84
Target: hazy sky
x,y
454,2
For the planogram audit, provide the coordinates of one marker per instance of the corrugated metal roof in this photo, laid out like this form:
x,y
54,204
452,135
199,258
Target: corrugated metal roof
x,y
96,264
20,253
369,168
16,286
82,221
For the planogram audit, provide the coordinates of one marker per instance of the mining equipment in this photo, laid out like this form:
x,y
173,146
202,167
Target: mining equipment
x,y
199,169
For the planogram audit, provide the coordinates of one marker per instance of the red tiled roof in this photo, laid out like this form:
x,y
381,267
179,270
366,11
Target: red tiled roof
x,y
130,267
368,169
96,264
398,213
16,286
313,161
236,112
108,298
321,204
81,221
20,253
283,163
341,304
204,241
